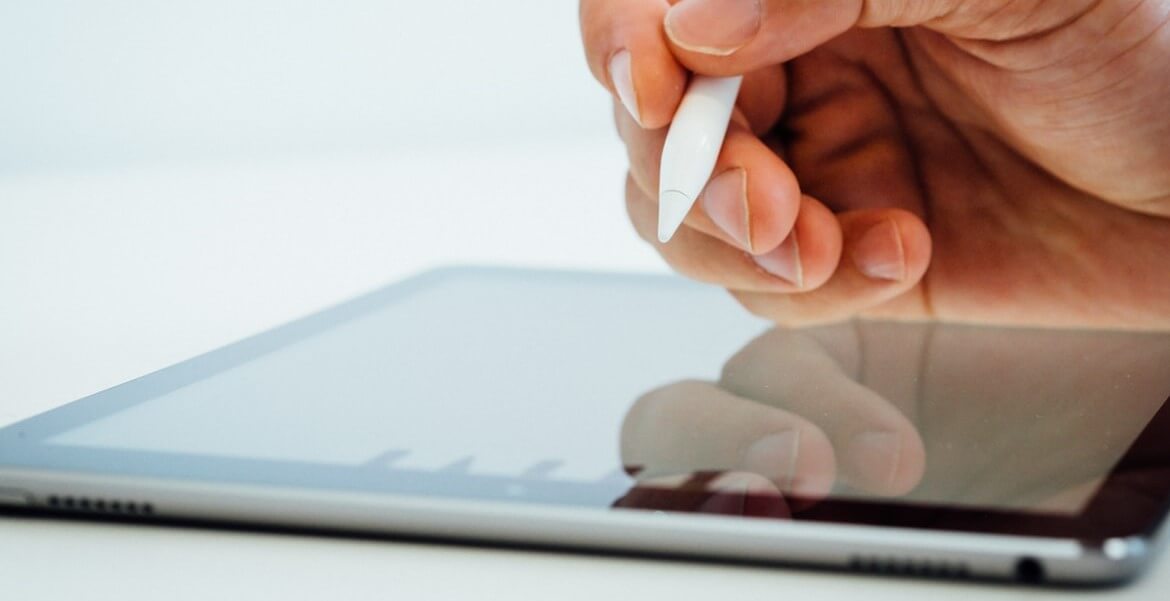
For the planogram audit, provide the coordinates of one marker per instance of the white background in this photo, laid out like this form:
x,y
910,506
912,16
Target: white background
x,y
175,176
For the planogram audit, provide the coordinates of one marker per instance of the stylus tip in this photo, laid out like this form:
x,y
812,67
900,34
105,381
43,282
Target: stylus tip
x,y
673,207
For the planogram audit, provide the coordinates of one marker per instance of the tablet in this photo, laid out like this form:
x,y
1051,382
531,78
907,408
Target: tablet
x,y
644,415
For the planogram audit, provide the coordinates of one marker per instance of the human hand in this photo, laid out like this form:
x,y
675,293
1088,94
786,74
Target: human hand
x,y
948,415
963,160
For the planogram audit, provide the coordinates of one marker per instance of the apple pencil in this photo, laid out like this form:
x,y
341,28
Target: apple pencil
x,y
692,145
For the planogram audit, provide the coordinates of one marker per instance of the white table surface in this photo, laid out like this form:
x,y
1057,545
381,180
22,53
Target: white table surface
x,y
144,220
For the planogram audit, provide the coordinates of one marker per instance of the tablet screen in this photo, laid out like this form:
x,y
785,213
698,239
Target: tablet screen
x,y
646,393
482,374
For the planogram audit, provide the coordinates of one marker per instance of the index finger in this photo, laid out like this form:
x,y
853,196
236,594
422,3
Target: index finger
x,y
627,52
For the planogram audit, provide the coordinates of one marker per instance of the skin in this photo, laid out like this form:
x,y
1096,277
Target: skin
x,y
1007,161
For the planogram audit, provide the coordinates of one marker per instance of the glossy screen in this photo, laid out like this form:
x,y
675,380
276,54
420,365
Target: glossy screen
x,y
635,392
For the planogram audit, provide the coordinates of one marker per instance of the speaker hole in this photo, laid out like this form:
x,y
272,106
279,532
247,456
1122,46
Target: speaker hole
x,y
1029,570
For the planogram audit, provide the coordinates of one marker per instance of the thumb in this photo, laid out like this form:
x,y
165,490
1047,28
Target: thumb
x,y
722,37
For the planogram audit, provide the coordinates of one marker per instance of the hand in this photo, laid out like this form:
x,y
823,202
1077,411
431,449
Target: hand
x,y
965,160
945,415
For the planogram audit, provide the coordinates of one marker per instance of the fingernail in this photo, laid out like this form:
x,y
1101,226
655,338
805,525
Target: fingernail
x,y
718,27
623,81
725,201
784,262
879,253
875,456
774,457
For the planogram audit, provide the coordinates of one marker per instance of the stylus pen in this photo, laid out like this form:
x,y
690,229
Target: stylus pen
x,y
692,146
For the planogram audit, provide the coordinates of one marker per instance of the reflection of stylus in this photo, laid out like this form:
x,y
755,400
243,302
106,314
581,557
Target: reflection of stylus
x,y
692,145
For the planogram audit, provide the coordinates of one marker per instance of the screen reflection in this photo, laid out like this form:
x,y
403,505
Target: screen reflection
x,y
930,414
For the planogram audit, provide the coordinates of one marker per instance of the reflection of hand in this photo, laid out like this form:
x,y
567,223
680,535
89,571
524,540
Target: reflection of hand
x,y
785,418
1012,419
1018,148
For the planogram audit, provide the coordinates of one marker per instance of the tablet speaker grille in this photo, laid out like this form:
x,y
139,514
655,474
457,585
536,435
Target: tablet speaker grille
x,y
906,566
99,505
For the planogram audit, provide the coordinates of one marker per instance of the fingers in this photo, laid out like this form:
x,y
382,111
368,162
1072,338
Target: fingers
x,y
726,37
830,268
885,256
628,54
697,427
876,447
752,199
641,50
760,103
804,261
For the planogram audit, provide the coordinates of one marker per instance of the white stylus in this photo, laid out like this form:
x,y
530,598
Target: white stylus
x,y
692,145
